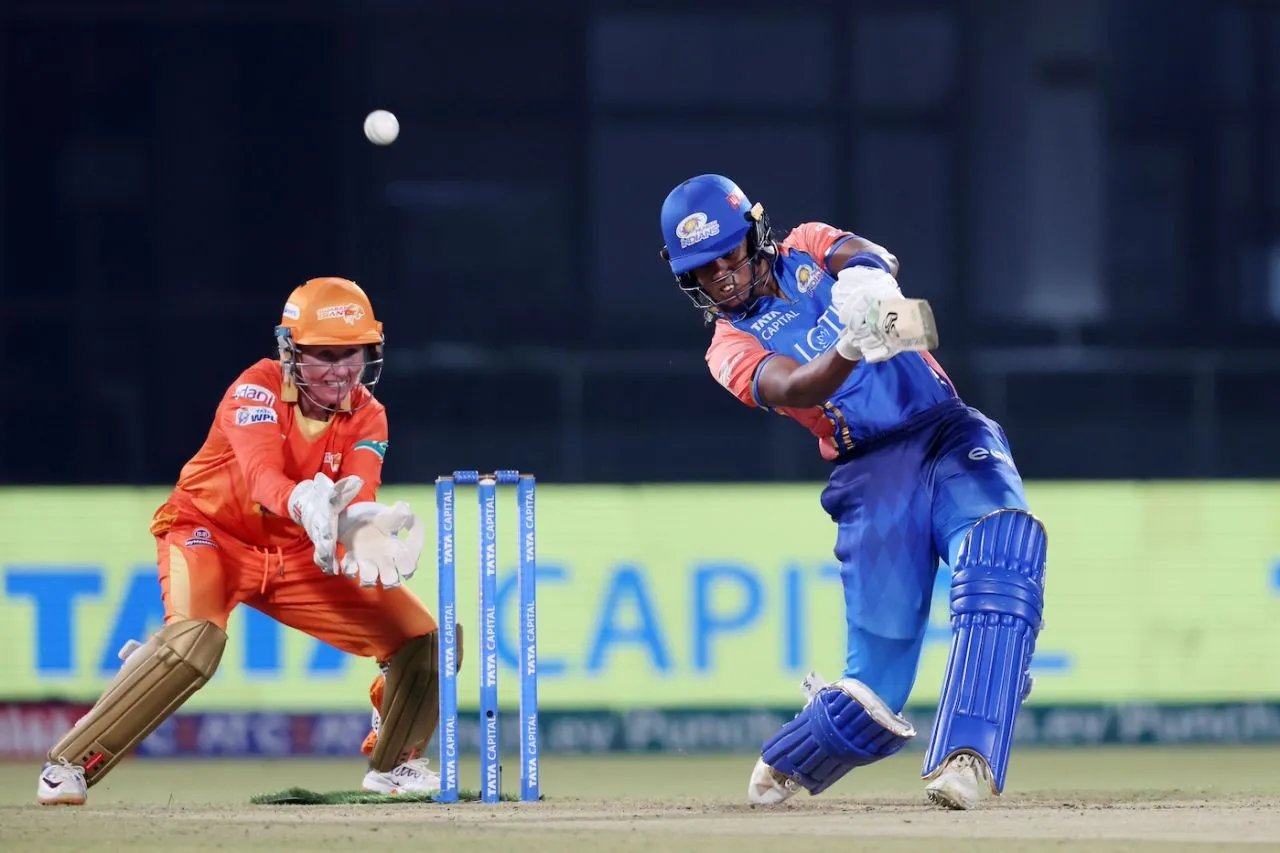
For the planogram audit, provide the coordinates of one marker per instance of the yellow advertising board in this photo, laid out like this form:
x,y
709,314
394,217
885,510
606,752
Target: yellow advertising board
x,y
673,596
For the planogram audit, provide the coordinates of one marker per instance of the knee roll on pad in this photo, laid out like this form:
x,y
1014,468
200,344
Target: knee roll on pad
x,y
410,703
846,725
157,678
997,603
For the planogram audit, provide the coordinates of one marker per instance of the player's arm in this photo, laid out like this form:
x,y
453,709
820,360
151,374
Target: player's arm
x,y
363,452
760,378
253,431
367,529
840,249
783,382
859,251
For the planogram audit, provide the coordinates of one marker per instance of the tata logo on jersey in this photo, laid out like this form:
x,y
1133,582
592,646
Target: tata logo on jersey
x,y
249,415
771,322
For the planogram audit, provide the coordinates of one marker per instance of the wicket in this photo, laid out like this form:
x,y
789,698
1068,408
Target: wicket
x,y
490,770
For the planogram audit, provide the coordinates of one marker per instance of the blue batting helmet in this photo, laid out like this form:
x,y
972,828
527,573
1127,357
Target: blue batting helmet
x,y
702,219
707,217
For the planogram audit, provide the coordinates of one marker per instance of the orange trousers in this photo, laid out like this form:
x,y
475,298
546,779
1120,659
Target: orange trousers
x,y
205,574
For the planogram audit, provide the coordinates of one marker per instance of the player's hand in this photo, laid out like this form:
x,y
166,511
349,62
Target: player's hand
x,y
865,342
855,290
375,553
315,504
865,338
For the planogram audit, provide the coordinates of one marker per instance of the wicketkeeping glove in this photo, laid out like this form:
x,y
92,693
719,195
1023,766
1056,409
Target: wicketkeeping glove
x,y
375,553
315,504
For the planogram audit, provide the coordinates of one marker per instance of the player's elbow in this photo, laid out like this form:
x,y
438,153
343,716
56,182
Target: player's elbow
x,y
797,391
798,395
794,386
268,488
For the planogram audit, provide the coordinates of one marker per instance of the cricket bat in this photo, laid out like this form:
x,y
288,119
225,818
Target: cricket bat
x,y
908,321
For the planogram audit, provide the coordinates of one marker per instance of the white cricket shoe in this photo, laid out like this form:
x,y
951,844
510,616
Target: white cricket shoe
x,y
62,785
411,777
961,782
768,787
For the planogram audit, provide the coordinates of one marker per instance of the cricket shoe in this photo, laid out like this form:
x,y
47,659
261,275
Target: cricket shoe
x,y
768,787
62,785
961,782
411,777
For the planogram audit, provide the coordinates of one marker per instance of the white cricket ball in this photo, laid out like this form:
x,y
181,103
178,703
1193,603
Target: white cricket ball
x,y
381,127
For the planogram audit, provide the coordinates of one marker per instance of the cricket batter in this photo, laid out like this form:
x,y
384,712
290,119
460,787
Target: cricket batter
x,y
917,477
257,518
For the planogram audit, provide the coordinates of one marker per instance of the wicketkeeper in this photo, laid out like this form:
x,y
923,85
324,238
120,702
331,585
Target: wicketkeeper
x,y
278,510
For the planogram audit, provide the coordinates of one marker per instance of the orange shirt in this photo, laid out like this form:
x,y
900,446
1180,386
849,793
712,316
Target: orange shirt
x,y
259,448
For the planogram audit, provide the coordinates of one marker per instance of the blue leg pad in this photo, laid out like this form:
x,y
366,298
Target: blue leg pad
x,y
846,725
997,600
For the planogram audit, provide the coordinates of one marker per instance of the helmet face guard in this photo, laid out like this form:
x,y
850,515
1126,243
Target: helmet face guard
x,y
760,246
706,218
290,363
328,312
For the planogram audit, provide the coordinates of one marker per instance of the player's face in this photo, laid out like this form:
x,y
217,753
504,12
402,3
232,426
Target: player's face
x,y
727,279
329,373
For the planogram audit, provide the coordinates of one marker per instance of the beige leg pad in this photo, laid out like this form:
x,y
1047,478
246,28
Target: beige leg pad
x,y
153,683
410,703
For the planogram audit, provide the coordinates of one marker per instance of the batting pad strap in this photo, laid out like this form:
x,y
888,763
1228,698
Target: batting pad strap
x,y
846,725
997,604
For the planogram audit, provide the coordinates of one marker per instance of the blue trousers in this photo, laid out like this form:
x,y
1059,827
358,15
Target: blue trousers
x,y
903,504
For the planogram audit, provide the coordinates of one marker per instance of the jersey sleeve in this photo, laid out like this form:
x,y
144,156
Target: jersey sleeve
x,y
818,240
249,416
734,359
365,446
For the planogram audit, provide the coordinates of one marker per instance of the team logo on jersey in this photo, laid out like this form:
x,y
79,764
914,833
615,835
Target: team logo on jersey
x,y
378,447
821,338
808,277
348,313
201,538
695,228
255,394
333,460
291,311
248,415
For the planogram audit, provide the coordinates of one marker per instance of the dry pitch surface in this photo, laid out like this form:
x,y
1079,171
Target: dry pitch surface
x,y
1091,800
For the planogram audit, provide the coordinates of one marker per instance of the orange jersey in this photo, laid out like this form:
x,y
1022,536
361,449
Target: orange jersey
x,y
259,448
